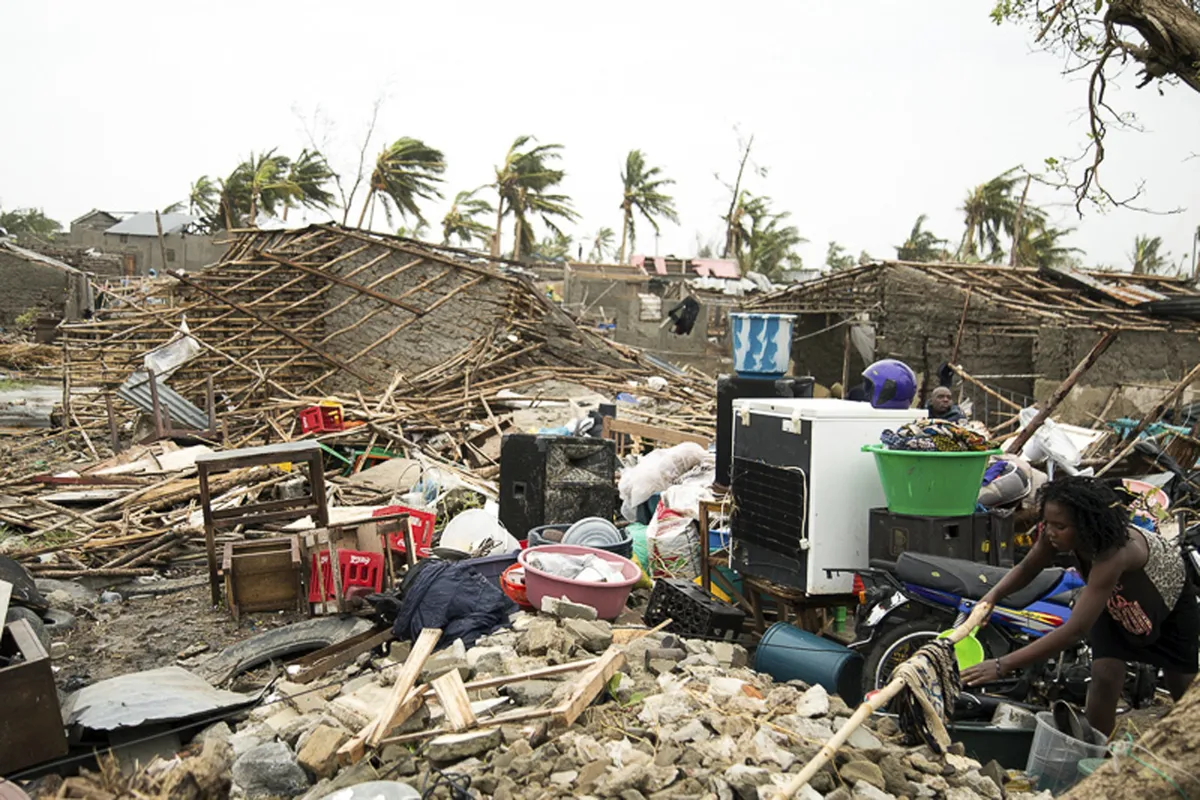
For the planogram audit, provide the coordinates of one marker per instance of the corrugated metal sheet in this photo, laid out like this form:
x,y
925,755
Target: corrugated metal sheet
x,y
157,695
38,258
144,225
136,390
1180,307
1109,285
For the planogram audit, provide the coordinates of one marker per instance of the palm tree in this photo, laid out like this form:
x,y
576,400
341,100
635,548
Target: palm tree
x,y
602,245
643,192
202,199
522,184
1039,247
556,247
417,231
460,221
836,258
922,245
29,221
1146,259
309,174
991,210
762,240
406,170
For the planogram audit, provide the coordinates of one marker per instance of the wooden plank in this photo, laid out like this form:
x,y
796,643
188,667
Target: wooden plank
x,y
503,719
644,431
422,649
353,751
589,685
452,696
318,663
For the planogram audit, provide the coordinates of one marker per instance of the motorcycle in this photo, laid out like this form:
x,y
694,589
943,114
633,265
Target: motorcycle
x,y
907,603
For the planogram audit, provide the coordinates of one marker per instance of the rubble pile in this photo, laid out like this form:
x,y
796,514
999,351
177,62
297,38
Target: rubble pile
x,y
684,719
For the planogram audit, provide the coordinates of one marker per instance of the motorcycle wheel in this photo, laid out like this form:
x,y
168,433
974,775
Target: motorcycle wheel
x,y
894,647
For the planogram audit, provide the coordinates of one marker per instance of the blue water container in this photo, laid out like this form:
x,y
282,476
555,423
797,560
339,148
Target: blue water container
x,y
762,344
787,653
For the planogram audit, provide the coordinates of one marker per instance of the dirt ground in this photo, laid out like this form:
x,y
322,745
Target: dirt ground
x,y
149,631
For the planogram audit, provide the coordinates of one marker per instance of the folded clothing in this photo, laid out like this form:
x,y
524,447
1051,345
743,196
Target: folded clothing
x,y
934,435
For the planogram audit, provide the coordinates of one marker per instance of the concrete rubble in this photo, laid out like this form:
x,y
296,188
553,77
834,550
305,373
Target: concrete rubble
x,y
701,726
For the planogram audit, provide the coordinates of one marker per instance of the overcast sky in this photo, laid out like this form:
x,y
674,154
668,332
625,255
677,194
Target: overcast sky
x,y
866,112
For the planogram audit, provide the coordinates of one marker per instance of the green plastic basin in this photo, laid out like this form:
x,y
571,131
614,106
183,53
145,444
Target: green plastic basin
x,y
930,484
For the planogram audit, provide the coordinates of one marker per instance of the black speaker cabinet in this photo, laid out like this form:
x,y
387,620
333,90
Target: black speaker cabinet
x,y
734,387
546,480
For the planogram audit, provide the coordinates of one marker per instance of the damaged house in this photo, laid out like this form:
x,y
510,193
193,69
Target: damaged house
x,y
1019,330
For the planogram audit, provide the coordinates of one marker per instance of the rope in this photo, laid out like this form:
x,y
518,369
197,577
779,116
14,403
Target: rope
x,y
1126,747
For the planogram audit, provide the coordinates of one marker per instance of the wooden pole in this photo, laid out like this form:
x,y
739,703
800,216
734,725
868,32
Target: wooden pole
x,y
162,242
962,323
968,378
878,701
846,361
1063,389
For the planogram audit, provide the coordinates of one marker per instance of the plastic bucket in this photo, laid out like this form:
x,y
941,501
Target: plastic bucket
x,y
762,344
787,653
968,651
607,598
928,483
1054,756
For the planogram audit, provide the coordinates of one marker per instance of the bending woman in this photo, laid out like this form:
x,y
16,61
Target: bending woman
x,y
1138,604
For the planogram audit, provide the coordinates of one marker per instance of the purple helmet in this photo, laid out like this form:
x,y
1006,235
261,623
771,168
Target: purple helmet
x,y
890,384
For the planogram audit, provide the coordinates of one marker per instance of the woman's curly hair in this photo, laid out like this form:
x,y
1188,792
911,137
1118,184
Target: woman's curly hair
x,y
1099,511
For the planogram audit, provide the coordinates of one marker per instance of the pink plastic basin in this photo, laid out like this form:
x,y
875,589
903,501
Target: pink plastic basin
x,y
607,598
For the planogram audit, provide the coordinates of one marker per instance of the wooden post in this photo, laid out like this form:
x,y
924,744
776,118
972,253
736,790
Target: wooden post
x,y
971,379
962,323
113,433
846,361
1063,389
162,242
210,541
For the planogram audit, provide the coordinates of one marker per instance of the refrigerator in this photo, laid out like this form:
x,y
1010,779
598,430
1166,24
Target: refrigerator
x,y
802,489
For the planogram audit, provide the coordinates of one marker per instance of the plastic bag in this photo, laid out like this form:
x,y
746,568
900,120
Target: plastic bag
x,y
655,473
181,349
672,545
1049,444
579,568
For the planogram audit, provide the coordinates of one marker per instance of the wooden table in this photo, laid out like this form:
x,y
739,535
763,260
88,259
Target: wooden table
x,y
314,504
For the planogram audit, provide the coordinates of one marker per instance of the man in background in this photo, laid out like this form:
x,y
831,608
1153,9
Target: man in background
x,y
941,406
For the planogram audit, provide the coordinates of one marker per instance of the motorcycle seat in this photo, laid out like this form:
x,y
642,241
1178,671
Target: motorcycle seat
x,y
970,580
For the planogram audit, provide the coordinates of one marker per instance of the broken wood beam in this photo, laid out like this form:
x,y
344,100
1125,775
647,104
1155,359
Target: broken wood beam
x,y
452,696
422,649
1062,391
962,373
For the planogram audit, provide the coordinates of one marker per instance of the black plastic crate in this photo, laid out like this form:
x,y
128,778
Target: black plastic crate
x,y
692,611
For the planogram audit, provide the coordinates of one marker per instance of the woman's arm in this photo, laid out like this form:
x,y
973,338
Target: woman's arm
x,y
1039,557
1102,581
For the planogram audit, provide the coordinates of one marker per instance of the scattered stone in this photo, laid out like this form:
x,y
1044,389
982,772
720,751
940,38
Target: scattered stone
x,y
305,699
995,772
861,738
595,636
865,791
624,779
699,660
532,692
984,787
451,658
269,770
457,746
693,731
541,637
744,780
491,660
887,727
664,709
840,793
863,771
563,779
661,666
816,730
399,651
894,778
765,748
319,754
591,772
249,738
838,707
729,654
658,778
218,731
562,608
110,597
814,702
667,755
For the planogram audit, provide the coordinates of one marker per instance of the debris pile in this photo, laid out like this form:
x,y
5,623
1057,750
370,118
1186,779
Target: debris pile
x,y
681,718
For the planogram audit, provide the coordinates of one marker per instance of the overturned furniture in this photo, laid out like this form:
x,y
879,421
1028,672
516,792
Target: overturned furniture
x,y
313,503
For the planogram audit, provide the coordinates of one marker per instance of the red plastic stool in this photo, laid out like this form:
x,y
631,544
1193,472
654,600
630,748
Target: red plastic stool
x,y
422,523
358,568
361,569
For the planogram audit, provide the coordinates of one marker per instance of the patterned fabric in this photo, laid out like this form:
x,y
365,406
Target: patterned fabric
x,y
931,686
931,435
1165,568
